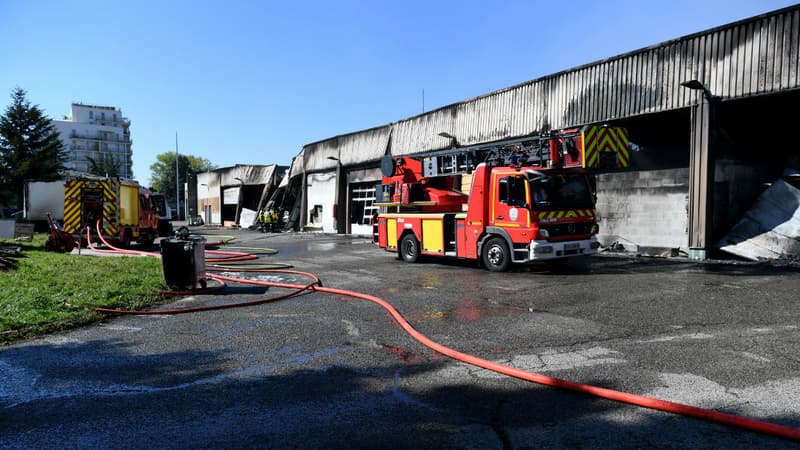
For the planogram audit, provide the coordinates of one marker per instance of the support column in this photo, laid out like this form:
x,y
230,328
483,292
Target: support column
x,y
303,201
701,177
341,199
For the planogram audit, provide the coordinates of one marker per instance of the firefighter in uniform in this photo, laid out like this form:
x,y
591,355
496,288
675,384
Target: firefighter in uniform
x,y
273,220
262,221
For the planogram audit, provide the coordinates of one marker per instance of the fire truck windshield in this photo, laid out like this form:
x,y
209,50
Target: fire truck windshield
x,y
560,191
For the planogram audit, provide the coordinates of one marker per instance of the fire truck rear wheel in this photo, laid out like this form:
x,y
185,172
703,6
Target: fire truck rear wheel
x,y
409,248
496,256
147,239
127,237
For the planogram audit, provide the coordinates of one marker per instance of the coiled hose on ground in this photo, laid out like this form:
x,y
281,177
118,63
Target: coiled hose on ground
x,y
746,423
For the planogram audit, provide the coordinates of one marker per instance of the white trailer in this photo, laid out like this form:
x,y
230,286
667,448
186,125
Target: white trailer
x,y
42,197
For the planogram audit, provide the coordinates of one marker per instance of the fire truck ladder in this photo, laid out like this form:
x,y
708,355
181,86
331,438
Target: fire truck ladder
x,y
527,150
595,141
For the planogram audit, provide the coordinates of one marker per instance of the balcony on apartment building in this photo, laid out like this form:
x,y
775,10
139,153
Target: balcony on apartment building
x,y
121,122
102,138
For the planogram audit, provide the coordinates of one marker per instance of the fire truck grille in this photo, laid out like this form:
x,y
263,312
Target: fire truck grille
x,y
568,229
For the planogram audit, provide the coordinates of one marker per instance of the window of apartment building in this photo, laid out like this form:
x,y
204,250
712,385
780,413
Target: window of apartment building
x,y
91,114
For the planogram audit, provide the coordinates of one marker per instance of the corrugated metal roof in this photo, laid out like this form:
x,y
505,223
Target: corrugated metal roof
x,y
755,56
350,149
247,173
297,164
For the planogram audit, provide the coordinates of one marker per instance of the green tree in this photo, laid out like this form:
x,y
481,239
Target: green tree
x,y
30,148
105,166
163,173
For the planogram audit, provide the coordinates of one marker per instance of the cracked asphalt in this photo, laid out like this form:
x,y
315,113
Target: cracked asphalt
x,y
324,371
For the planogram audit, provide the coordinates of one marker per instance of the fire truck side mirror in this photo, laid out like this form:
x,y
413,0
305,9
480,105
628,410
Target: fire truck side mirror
x,y
388,166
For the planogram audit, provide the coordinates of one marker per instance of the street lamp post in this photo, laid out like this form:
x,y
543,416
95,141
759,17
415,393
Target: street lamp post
x,y
701,170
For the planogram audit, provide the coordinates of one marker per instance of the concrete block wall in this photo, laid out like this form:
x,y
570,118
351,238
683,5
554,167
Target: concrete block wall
x,y
644,208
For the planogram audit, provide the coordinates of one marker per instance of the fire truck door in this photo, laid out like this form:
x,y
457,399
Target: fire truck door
x,y
509,202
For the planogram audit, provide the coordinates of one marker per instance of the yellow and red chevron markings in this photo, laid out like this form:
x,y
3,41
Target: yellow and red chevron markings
x,y
567,214
73,195
605,139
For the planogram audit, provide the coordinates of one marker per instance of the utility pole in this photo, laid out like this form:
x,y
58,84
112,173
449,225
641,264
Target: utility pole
x,y
177,181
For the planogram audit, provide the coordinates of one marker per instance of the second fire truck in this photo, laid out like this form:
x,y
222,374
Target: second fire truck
x,y
126,211
530,199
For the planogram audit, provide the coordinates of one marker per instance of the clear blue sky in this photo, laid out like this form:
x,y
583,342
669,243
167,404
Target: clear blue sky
x,y
251,82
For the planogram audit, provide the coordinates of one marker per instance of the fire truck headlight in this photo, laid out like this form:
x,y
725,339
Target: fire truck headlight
x,y
594,245
543,234
595,229
544,249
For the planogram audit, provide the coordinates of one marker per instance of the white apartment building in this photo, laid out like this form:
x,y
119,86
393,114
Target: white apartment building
x,y
96,132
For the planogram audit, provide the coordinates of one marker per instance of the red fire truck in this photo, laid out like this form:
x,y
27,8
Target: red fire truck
x,y
530,199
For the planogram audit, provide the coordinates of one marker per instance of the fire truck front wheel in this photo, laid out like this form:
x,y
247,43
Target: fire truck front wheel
x,y
496,256
409,248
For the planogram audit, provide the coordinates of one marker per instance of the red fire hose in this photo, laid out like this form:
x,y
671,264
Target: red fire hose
x,y
609,394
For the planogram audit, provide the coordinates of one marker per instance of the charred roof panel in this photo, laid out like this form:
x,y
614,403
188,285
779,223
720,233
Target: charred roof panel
x,y
755,56
350,149
246,174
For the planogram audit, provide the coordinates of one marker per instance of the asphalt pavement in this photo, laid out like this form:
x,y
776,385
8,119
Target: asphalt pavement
x,y
329,371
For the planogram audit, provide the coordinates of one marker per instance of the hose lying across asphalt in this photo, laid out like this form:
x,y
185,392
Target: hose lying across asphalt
x,y
746,423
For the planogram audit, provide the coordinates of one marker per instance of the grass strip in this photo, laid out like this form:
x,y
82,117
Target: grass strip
x,y
51,291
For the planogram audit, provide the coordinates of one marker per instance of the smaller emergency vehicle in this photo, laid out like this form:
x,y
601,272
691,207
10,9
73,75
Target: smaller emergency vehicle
x,y
126,211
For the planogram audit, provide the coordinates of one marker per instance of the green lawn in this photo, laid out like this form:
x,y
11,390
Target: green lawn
x,y
51,291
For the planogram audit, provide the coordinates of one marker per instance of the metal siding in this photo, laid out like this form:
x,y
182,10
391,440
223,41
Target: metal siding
x,y
695,72
794,50
674,76
773,77
652,70
754,56
636,77
785,51
249,174
563,91
712,61
737,60
729,82
665,69
297,165
763,33
230,196
627,105
747,60
577,113
606,90
354,148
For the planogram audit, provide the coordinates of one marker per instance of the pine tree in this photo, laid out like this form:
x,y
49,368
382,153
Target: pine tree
x,y
30,148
